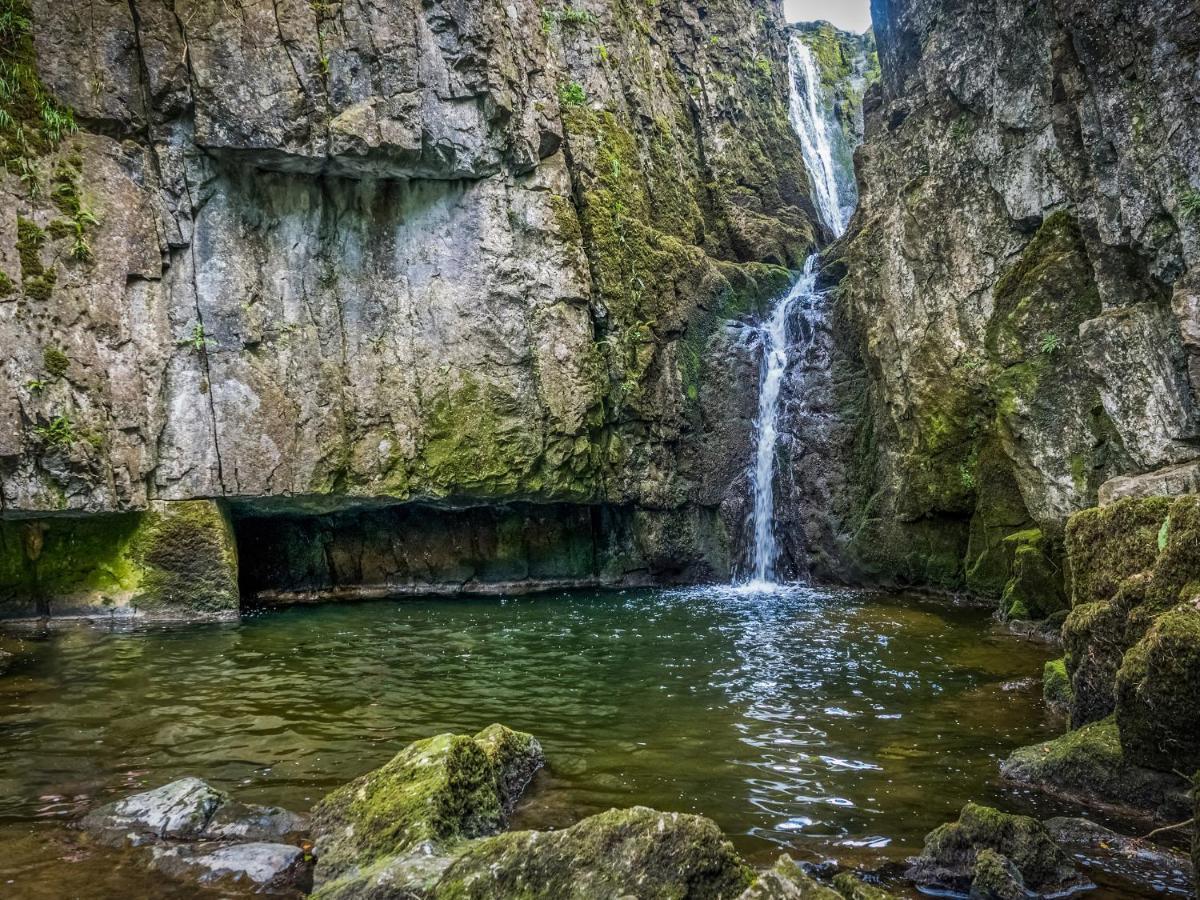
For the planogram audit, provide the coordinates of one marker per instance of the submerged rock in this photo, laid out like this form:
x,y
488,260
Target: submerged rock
x,y
435,791
952,860
180,810
853,888
260,864
196,832
1089,764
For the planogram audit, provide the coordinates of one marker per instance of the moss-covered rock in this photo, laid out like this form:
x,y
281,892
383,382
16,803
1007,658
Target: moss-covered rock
x,y
1035,588
175,560
996,877
619,853
853,888
1089,764
1106,545
1158,694
1056,686
787,881
1094,640
436,791
952,851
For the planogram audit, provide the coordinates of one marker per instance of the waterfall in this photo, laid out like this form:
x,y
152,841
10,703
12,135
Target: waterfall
x,y
808,110
773,335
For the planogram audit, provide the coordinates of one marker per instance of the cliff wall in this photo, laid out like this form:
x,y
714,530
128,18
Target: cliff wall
x,y
307,256
1019,291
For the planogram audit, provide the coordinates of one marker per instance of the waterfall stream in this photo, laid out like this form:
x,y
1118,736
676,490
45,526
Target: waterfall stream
x,y
810,115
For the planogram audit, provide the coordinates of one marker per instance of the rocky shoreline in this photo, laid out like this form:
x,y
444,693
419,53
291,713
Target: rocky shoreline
x,y
432,825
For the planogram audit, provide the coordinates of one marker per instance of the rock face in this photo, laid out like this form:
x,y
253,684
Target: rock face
x,y
317,256
1020,288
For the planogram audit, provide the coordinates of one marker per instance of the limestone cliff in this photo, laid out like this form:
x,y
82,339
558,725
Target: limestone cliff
x,y
1020,290
304,256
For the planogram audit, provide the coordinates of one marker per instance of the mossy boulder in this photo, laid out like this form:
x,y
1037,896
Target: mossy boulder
x,y
1035,588
1106,545
1095,638
435,792
1158,694
638,852
952,853
1056,685
1089,764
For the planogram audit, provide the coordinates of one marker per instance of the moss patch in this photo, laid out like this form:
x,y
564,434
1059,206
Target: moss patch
x,y
1106,545
949,858
1056,685
1158,694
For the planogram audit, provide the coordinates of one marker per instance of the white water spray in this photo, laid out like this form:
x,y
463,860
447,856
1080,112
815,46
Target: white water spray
x,y
808,116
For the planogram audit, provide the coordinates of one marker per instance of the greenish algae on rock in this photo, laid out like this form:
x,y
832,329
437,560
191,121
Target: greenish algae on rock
x,y
175,560
853,888
787,881
952,852
1056,685
1089,764
635,851
1158,694
436,791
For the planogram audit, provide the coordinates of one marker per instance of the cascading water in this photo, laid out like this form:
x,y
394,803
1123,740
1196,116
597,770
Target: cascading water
x,y
807,110
809,117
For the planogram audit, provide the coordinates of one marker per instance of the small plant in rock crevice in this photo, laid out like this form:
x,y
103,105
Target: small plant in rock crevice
x,y
1050,343
59,433
572,94
1189,205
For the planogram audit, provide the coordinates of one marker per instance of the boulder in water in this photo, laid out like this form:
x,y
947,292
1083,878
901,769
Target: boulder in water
x,y
854,888
949,860
180,810
623,852
434,792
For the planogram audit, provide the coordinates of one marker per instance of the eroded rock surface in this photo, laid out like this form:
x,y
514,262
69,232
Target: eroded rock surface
x,y
1019,289
326,255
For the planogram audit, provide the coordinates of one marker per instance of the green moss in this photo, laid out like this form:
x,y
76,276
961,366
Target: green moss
x,y
949,858
441,790
1089,764
478,441
55,362
31,121
1106,545
1056,685
36,280
1158,689
6,285
851,888
620,853
189,556
1035,589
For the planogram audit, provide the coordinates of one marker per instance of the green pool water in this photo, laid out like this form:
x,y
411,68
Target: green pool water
x,y
832,724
